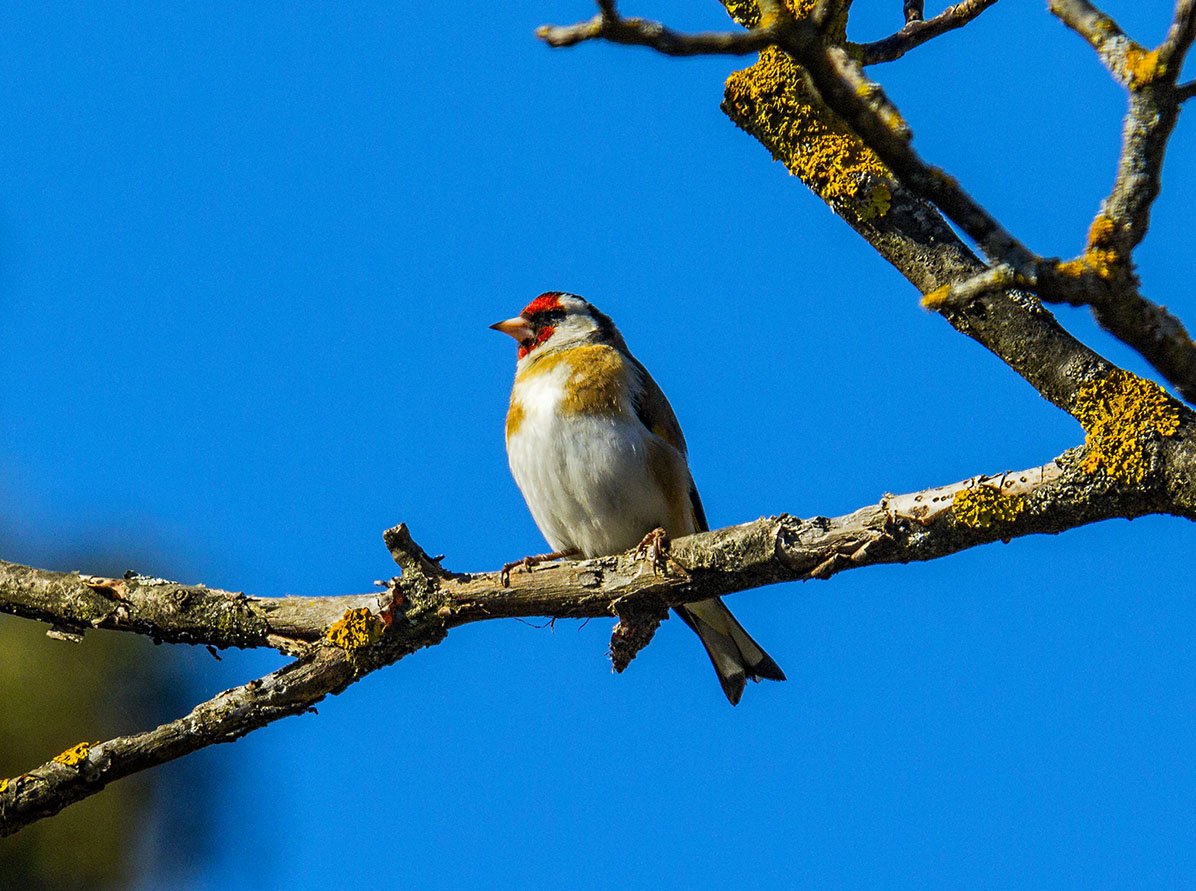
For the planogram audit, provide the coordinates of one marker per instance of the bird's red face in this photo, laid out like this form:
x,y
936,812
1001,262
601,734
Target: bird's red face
x,y
537,323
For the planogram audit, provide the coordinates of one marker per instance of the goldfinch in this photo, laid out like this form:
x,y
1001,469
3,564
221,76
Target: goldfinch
x,y
596,450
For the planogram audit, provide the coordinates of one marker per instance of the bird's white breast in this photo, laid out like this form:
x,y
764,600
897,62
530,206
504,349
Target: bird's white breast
x,y
590,472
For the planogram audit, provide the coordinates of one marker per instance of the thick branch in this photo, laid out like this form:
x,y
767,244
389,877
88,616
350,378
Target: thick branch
x,y
169,611
1103,281
426,601
842,85
913,236
291,690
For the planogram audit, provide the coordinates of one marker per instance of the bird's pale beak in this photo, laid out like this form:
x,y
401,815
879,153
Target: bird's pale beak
x,y
518,327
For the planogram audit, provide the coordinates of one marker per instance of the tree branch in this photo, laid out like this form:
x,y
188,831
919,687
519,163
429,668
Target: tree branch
x,y
1101,278
86,770
1134,462
427,601
918,30
1179,39
169,611
642,32
1105,270
1150,76
1155,333
912,235
842,85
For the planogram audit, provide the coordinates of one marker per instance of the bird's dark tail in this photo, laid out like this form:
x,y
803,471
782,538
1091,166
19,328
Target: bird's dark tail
x,y
736,657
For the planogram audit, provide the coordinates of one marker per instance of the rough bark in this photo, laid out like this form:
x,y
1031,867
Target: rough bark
x,y
418,608
1139,456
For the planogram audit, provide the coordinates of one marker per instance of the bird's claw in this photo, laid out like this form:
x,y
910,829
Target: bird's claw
x,y
504,576
654,548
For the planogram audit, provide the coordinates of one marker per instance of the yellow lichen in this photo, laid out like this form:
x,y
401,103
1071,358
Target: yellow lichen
x,y
1073,268
936,298
747,13
882,200
983,507
357,628
1142,66
772,102
1100,255
1100,230
1102,262
4,785
1118,412
76,754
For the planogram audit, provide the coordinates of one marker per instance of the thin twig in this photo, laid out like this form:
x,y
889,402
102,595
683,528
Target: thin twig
x,y
991,280
641,32
1103,278
918,31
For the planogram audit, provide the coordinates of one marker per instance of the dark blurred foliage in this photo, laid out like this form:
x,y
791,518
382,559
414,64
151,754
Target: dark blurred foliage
x,y
147,829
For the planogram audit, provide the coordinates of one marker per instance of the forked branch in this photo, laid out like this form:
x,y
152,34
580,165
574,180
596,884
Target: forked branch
x,y
421,606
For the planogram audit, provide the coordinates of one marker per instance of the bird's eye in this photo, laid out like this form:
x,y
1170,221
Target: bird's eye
x,y
546,316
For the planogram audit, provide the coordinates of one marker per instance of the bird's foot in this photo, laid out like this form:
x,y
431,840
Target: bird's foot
x,y
654,548
531,560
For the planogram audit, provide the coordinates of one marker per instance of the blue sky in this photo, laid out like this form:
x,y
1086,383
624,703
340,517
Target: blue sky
x,y
248,257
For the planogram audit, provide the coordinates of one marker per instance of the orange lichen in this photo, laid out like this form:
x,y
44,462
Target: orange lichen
x,y
1100,256
1073,268
746,12
983,507
1120,412
932,300
1142,67
1100,230
1102,262
75,754
356,629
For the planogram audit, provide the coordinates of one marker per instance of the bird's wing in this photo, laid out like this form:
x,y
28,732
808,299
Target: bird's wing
x,y
736,657
655,413
699,511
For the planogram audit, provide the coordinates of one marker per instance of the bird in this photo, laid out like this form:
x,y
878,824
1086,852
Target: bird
x,y
597,452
